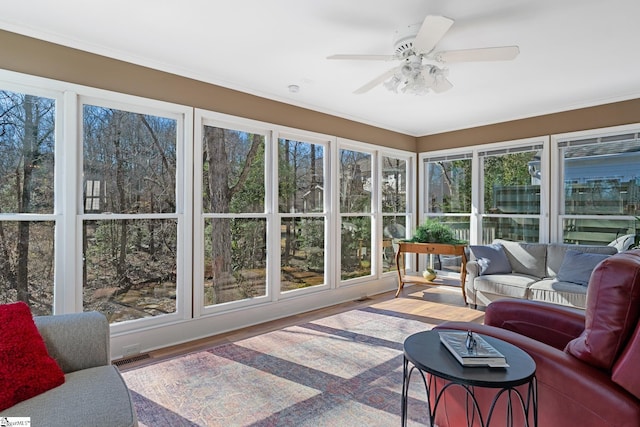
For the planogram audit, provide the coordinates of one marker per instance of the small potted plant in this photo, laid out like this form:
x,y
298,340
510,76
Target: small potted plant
x,y
434,231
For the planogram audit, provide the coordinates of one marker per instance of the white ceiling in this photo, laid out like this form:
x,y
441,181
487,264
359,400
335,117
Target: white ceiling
x,y
573,53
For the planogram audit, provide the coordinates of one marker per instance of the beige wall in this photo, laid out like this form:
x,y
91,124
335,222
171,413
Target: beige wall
x,y
606,115
39,58
35,57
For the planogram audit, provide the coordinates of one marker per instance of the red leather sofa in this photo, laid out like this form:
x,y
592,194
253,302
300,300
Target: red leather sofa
x,y
587,362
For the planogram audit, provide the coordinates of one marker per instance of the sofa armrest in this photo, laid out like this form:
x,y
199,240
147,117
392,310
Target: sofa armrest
x,y
76,341
552,324
473,271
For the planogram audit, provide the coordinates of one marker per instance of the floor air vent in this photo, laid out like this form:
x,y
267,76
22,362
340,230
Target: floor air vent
x,y
127,360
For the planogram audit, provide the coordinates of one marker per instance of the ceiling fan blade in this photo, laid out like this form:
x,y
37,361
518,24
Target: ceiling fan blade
x,y
432,30
365,57
441,85
504,53
375,82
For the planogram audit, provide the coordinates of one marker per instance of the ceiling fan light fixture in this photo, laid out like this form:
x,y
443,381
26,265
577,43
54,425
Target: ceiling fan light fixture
x,y
418,79
392,84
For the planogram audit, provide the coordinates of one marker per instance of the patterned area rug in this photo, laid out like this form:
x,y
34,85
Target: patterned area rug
x,y
342,370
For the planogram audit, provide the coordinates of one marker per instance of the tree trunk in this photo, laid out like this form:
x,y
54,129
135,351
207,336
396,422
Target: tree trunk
x,y
121,269
314,183
220,195
31,155
6,265
287,237
219,200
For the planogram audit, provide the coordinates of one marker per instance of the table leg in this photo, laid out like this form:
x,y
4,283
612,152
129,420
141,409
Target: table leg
x,y
463,276
532,401
400,271
405,391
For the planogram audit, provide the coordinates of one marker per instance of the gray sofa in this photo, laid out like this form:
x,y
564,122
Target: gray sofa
x,y
532,274
94,393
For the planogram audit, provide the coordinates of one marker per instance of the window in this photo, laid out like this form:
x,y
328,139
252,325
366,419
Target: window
x,y
599,187
27,202
447,197
579,188
395,213
234,213
511,202
355,187
303,214
108,215
130,223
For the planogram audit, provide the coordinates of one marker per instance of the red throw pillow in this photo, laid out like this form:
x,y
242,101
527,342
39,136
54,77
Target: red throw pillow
x,y
26,369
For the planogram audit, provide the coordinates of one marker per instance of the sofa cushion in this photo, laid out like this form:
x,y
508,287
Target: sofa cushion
x,y
526,258
26,368
578,266
613,308
556,292
93,397
508,285
491,259
557,251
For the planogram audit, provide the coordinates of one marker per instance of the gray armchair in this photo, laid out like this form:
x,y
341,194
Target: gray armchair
x,y
94,393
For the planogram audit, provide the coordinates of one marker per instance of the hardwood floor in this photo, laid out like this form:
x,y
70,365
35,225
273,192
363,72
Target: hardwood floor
x,y
430,304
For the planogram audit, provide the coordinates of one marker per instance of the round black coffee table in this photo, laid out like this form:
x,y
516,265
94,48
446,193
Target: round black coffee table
x,y
428,356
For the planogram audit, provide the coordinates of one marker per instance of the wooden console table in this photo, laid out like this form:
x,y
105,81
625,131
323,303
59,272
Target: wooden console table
x,y
430,249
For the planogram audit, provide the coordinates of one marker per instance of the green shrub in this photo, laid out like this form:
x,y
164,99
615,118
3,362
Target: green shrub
x,y
434,231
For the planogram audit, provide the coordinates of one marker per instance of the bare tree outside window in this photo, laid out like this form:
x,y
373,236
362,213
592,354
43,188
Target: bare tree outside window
x,y
394,207
27,136
301,197
355,208
233,192
130,261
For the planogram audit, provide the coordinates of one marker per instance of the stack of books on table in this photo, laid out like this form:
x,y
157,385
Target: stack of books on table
x,y
472,350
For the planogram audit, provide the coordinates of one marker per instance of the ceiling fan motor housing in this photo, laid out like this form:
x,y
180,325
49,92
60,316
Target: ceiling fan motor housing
x,y
403,39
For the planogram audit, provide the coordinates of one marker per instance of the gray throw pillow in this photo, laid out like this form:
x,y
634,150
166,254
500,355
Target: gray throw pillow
x,y
491,259
577,266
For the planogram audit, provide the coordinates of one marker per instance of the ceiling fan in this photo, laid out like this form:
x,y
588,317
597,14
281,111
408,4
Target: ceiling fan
x,y
421,68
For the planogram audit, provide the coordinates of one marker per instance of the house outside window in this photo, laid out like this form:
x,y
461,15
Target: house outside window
x,y
598,198
302,207
396,218
356,212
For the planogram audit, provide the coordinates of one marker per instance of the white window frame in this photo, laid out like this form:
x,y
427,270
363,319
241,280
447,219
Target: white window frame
x,y
557,165
452,154
327,143
184,169
68,180
477,184
210,118
191,321
26,85
409,214
516,146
